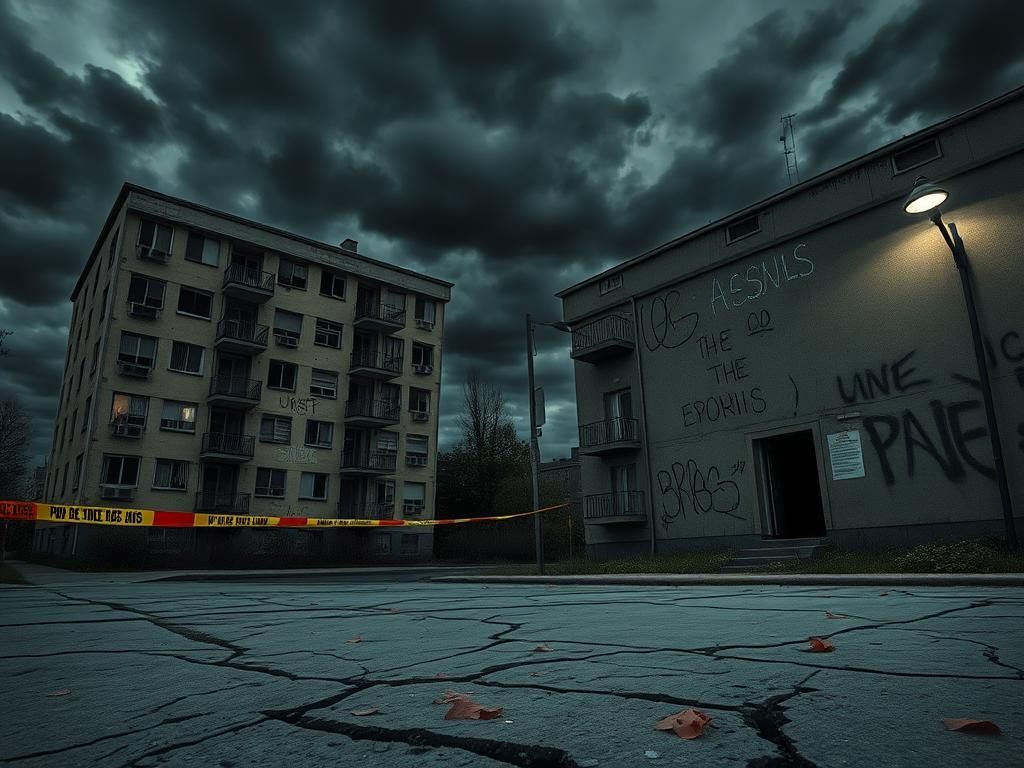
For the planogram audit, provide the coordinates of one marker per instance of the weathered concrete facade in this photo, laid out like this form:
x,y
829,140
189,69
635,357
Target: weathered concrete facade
x,y
219,365
822,311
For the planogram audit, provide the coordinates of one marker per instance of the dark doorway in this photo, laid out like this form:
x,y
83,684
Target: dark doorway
x,y
791,487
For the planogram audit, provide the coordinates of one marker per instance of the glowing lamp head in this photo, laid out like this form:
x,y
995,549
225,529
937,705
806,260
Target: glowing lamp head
x,y
924,197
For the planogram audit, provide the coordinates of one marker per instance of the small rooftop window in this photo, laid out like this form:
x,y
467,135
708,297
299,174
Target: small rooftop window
x,y
915,156
738,230
611,283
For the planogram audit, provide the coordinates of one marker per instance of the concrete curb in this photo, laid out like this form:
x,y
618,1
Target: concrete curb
x,y
792,579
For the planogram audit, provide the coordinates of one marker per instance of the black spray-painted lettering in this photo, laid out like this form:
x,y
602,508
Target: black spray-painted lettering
x,y
664,323
688,488
723,406
870,383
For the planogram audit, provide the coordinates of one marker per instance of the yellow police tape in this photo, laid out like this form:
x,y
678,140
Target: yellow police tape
x,y
91,515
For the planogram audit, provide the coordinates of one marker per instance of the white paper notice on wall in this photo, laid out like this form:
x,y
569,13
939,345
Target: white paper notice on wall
x,y
846,455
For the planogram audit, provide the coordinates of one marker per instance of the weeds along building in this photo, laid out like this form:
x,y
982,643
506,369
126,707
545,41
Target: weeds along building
x,y
220,365
805,367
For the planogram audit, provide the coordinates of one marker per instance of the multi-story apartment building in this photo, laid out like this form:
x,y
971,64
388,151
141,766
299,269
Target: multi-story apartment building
x,y
805,366
216,364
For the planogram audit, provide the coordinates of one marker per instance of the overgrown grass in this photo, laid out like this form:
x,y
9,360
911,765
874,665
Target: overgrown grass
x,y
972,556
10,575
683,562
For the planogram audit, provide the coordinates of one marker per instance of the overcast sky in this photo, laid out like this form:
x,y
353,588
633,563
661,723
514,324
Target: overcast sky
x,y
513,148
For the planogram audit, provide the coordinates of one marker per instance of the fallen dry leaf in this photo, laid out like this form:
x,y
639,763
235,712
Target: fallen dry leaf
x,y
356,639
464,708
882,594
818,645
449,696
61,692
393,610
440,676
365,711
542,648
830,615
536,674
971,726
687,724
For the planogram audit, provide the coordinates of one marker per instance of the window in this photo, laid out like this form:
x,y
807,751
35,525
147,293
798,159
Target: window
x,y
74,421
281,375
916,155
416,445
129,409
319,434
292,274
88,327
332,284
103,309
176,416
195,303
87,413
155,236
95,356
324,383
81,374
137,349
313,485
113,251
746,227
64,482
382,543
120,471
287,325
419,400
426,313
410,544
414,497
392,394
202,250
78,472
171,475
422,357
276,429
611,283
387,441
186,358
327,334
270,482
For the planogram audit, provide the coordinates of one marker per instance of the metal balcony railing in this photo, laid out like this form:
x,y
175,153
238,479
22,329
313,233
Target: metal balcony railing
x,y
617,430
373,409
616,504
388,313
228,443
243,330
239,274
377,360
223,503
381,510
380,461
611,328
236,386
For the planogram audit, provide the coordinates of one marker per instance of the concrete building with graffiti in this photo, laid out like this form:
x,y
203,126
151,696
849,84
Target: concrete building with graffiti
x,y
805,366
217,364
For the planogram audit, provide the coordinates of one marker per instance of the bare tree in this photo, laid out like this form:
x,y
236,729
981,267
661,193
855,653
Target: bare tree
x,y
4,333
14,435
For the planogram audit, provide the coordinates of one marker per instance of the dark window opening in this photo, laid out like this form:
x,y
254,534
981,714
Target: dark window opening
x,y
791,487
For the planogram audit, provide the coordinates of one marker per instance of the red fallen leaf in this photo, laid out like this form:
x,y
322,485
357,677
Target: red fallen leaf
x,y
971,726
541,649
356,639
61,692
450,696
830,615
687,724
365,711
464,708
818,645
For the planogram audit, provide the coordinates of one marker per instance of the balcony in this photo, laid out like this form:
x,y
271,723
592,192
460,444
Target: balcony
x,y
235,391
616,507
222,503
119,427
373,316
372,413
228,447
382,510
249,284
241,336
375,365
609,436
608,337
368,463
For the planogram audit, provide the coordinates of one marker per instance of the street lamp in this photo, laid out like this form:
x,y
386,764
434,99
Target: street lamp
x,y
927,197
538,532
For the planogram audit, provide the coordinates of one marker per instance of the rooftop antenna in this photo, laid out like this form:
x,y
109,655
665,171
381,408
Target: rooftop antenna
x,y
788,139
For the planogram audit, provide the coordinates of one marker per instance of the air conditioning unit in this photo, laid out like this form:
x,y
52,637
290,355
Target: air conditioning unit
x,y
115,492
425,325
416,461
124,429
143,310
423,369
412,509
286,341
153,254
420,415
133,369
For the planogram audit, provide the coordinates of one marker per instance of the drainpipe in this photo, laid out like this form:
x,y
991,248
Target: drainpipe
x,y
643,410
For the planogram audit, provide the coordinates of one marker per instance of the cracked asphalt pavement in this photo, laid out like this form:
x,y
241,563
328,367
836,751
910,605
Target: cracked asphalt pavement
x,y
268,673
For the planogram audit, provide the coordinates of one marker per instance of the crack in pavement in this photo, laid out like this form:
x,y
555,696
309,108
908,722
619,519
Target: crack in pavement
x,y
172,702
767,719
134,762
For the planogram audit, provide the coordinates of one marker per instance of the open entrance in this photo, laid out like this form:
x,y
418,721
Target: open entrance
x,y
790,486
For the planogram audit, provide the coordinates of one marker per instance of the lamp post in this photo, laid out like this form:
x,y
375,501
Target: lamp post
x,y
538,530
928,197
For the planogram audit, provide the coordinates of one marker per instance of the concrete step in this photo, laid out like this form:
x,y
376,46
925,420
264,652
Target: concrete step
x,y
807,551
762,559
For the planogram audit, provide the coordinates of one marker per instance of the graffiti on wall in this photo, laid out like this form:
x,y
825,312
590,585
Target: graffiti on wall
x,y
665,323
295,454
754,281
298,405
687,489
